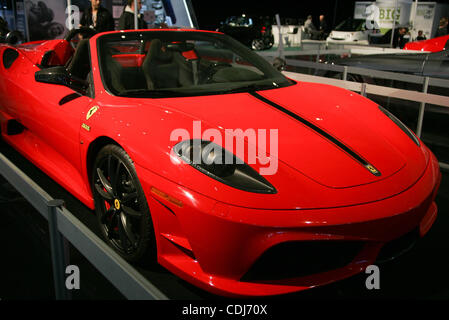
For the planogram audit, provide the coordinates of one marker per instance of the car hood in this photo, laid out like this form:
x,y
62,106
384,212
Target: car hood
x,y
313,170
313,122
406,63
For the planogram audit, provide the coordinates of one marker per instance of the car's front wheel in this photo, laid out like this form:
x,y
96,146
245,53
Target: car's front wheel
x,y
121,207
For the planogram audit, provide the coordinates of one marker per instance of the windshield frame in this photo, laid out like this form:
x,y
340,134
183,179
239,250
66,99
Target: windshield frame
x,y
236,47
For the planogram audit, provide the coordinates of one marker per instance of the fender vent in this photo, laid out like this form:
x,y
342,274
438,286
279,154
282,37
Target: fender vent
x,y
9,56
302,258
13,127
397,247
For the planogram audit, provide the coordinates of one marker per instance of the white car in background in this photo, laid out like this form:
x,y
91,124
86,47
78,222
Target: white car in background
x,y
350,31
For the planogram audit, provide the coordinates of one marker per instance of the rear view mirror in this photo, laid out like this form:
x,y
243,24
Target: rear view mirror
x,y
180,46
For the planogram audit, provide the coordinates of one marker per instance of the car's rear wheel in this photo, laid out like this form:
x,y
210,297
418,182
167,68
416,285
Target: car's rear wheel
x,y
257,44
121,207
269,42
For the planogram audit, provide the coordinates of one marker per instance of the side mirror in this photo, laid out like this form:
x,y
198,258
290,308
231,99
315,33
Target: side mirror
x,y
60,75
13,37
53,75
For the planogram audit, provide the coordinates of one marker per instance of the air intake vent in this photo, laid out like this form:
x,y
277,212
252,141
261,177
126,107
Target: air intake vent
x,y
302,258
397,247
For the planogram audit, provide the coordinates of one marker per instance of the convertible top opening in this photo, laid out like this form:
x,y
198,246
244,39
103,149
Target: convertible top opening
x,y
180,63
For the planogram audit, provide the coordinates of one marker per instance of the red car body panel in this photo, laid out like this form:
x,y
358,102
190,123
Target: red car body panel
x,y
433,45
217,233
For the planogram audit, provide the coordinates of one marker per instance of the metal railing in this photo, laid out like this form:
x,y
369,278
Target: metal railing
x,y
411,95
64,226
317,48
345,70
366,88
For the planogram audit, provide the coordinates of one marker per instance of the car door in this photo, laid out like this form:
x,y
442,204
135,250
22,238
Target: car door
x,y
54,117
11,68
51,114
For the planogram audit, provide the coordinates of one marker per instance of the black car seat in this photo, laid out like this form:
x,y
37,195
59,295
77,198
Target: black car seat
x,y
159,67
113,74
79,65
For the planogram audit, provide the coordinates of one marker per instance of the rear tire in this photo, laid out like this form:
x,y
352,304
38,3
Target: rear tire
x,y
122,209
257,44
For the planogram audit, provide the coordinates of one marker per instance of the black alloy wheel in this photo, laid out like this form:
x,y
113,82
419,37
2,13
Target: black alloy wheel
x,y
121,207
257,44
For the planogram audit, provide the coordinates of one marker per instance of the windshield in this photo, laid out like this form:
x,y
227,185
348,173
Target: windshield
x,y
351,25
241,21
181,63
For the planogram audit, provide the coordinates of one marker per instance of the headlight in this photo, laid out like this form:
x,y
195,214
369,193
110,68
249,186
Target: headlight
x,y
222,165
403,127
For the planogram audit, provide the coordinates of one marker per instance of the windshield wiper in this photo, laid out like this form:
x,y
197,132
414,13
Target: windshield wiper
x,y
251,88
163,93
146,93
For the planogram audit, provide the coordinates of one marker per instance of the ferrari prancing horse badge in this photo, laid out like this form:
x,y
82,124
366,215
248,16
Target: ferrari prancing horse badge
x,y
91,112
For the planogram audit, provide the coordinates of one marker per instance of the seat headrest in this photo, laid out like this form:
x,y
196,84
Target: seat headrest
x,y
79,65
158,52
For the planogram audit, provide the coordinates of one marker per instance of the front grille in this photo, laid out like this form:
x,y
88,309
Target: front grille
x,y
301,258
397,247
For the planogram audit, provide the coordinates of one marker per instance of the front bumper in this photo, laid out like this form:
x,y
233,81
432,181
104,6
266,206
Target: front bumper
x,y
217,246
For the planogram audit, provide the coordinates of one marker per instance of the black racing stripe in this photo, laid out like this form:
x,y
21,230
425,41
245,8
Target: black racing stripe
x,y
321,132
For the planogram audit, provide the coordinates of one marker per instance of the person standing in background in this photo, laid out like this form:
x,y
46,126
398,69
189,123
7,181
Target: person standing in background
x,y
442,29
126,21
420,36
310,28
323,28
97,17
398,37
308,25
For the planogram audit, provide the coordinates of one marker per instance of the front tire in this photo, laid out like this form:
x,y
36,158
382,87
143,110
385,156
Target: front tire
x,y
122,210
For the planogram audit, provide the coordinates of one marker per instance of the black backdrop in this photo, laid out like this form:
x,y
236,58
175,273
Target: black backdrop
x,y
209,13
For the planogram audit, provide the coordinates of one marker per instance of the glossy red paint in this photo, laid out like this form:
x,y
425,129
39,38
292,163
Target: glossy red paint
x,y
211,234
433,45
129,60
35,51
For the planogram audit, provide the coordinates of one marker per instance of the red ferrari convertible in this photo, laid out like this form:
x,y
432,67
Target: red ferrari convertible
x,y
433,45
195,151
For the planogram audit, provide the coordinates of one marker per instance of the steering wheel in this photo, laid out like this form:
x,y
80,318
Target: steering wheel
x,y
84,31
213,68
